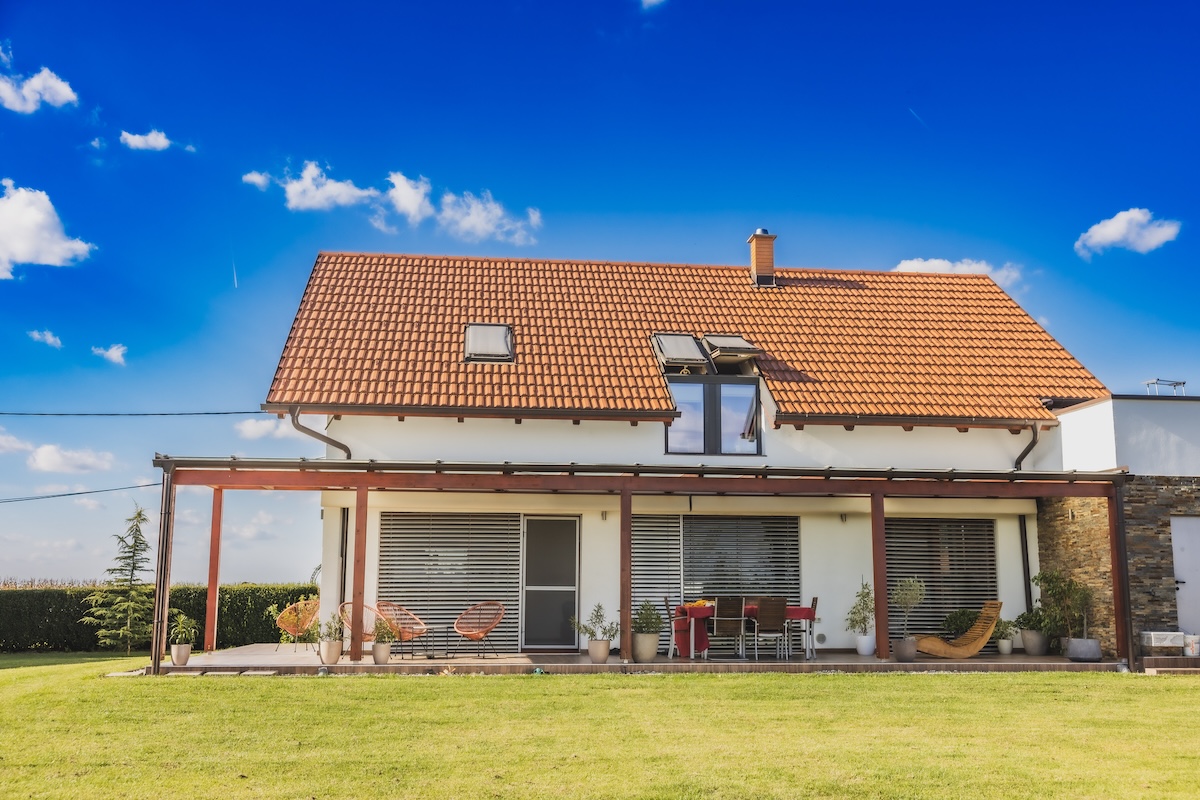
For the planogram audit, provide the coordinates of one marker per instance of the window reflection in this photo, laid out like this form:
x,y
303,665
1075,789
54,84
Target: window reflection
x,y
739,418
686,434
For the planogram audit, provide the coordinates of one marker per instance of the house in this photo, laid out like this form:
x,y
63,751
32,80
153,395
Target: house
x,y
553,434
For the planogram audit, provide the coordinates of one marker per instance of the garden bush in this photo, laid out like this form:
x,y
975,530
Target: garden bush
x,y
49,618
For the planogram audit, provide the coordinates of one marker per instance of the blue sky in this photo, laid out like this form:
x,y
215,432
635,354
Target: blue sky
x,y
151,152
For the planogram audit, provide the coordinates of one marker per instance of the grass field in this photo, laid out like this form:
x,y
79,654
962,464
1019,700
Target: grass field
x,y
66,732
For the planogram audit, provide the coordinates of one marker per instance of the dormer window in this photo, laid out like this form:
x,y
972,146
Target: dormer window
x,y
489,342
680,352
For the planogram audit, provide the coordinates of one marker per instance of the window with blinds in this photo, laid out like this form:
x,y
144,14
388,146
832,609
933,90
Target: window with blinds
x,y
956,558
656,571
436,565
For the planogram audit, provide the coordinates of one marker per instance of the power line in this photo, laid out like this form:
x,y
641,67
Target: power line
x,y
127,413
75,494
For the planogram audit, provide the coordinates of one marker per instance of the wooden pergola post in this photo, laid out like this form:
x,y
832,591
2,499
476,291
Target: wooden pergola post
x,y
626,574
1119,557
883,647
214,568
358,584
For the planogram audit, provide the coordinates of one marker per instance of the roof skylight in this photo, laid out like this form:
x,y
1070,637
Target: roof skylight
x,y
679,350
489,342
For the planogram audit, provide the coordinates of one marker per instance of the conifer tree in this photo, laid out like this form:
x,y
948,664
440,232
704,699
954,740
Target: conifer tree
x,y
123,606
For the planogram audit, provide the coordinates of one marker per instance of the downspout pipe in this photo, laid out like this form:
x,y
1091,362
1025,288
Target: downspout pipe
x,y
295,414
1016,464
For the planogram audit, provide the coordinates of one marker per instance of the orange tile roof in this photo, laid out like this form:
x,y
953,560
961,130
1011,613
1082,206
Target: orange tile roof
x,y
384,334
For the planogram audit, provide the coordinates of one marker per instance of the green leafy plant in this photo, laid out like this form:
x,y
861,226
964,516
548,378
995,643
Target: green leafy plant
x,y
383,632
332,629
1065,603
183,629
647,619
596,627
861,617
1032,620
958,622
907,595
123,606
1005,629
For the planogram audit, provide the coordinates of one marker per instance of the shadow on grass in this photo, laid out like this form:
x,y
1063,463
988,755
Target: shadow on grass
x,y
14,660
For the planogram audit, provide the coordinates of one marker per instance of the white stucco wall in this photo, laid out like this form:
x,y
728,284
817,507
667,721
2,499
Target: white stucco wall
x,y
834,555
1149,435
592,442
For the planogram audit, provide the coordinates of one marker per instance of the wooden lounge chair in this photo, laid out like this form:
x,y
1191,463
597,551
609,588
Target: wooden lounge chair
x,y
970,642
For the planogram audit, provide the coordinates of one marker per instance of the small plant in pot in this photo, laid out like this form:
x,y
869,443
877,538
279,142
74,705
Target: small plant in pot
x,y
1032,626
1003,635
183,635
381,650
907,595
1065,602
332,633
599,631
860,619
647,624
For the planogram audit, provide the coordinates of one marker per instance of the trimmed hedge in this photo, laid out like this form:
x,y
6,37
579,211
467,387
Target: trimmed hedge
x,y
48,619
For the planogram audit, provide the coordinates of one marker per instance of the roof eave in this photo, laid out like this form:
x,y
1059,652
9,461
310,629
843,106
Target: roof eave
x,y
472,412
1011,424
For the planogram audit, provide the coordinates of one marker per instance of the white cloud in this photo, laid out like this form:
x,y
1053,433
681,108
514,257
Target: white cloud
x,y
11,444
258,528
1135,229
260,179
46,337
90,503
1006,276
33,233
27,96
191,148
478,218
114,353
5,53
262,428
52,458
154,140
97,143
651,3
312,191
410,198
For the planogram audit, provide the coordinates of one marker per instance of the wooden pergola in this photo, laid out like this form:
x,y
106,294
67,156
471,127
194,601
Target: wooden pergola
x,y
625,481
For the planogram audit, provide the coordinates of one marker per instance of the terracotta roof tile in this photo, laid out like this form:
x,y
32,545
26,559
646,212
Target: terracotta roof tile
x,y
386,332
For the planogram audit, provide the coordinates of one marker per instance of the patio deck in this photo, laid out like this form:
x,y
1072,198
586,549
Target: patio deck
x,y
264,659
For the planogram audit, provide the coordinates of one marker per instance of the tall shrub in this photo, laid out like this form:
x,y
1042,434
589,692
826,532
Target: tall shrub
x,y
123,606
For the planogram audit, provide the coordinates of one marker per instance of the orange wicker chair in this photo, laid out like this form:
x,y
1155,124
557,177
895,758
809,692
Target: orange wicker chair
x,y
297,618
477,622
405,625
369,615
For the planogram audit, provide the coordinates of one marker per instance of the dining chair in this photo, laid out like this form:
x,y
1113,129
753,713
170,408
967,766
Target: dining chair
x,y
678,623
729,621
771,623
807,625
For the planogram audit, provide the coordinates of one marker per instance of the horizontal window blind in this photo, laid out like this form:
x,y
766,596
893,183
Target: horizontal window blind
x,y
956,558
750,556
656,570
437,565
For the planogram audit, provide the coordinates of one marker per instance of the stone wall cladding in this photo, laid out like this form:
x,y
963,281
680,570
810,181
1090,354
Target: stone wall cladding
x,y
1073,539
1150,502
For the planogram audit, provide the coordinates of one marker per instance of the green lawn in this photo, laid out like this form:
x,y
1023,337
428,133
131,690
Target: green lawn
x,y
66,731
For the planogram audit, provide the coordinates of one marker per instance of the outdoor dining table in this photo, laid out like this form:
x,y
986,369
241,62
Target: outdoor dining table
x,y
697,635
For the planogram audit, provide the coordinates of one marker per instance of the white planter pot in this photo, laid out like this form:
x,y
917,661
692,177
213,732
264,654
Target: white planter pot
x,y
645,647
180,653
381,652
1004,646
331,652
598,650
865,645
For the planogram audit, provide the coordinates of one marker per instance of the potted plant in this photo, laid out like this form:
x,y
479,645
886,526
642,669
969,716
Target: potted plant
x,y
183,636
861,619
381,650
1065,602
907,595
599,631
1003,635
647,624
1032,626
331,639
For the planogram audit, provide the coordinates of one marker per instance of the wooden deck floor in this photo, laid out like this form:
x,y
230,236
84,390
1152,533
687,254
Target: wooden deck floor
x,y
265,659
